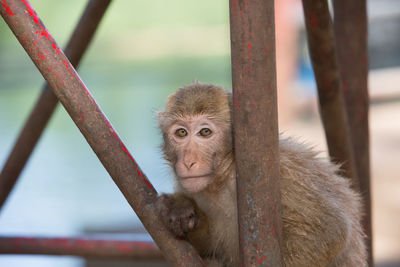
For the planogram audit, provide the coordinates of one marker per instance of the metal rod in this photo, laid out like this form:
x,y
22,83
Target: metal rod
x,y
95,127
255,123
45,105
350,25
384,99
83,247
331,102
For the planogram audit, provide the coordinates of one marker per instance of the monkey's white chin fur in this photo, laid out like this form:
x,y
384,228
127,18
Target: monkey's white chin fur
x,y
195,184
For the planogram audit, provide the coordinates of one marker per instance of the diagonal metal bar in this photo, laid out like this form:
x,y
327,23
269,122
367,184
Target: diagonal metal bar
x,y
45,105
255,122
97,130
350,26
81,246
331,102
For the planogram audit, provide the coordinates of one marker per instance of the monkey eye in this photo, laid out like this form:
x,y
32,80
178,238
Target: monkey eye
x,y
205,132
181,132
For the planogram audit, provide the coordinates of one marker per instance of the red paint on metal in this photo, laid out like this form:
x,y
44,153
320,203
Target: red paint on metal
x,y
85,247
124,247
68,67
127,152
314,20
89,93
7,7
36,19
262,259
236,102
115,135
267,49
65,64
59,81
249,46
148,183
235,3
46,34
55,48
81,115
41,56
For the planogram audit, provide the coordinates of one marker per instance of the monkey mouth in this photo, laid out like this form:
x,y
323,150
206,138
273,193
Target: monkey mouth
x,y
195,176
195,183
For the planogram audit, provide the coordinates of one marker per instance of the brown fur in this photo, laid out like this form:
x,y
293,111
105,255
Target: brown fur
x,y
320,213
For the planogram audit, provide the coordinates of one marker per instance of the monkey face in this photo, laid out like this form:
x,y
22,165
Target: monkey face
x,y
196,143
196,127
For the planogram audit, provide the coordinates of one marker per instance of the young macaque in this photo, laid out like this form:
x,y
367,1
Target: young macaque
x,y
320,213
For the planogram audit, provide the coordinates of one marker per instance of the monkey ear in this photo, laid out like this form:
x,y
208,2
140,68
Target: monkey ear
x,y
160,115
161,119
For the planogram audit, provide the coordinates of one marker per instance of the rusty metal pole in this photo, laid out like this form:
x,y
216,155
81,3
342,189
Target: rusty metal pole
x,y
82,247
331,102
350,24
255,123
101,136
45,105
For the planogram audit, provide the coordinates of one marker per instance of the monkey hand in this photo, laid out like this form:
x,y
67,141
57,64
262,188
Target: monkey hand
x,y
178,213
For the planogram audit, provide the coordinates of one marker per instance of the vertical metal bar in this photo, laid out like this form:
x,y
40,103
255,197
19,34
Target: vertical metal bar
x,y
82,247
255,123
350,24
44,108
97,130
332,107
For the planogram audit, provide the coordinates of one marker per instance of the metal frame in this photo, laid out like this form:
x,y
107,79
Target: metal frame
x,y
254,89
350,26
340,61
89,247
255,120
321,41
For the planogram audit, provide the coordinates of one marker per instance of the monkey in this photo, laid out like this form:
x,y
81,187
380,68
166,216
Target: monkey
x,y
321,214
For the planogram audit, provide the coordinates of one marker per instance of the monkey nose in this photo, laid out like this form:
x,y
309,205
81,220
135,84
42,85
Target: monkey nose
x,y
189,164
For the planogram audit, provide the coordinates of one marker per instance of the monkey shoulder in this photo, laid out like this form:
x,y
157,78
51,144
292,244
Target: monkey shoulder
x,y
302,170
306,176
320,212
